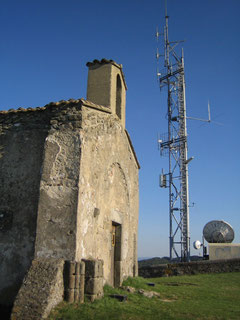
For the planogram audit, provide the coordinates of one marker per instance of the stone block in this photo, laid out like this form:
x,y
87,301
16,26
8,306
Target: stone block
x,y
82,288
71,282
77,268
92,297
77,281
81,297
76,295
93,268
70,267
69,274
82,268
69,295
41,290
94,286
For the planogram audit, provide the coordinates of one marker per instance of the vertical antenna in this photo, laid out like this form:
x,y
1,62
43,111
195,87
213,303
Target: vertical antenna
x,y
157,54
209,115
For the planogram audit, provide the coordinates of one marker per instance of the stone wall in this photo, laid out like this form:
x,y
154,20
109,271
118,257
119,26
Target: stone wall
x,y
108,186
189,268
22,137
58,198
39,157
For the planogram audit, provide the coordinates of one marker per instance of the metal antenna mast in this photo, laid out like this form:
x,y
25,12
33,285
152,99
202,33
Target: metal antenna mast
x,y
174,144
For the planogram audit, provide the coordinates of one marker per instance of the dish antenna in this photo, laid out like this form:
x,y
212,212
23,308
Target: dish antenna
x,y
197,244
218,231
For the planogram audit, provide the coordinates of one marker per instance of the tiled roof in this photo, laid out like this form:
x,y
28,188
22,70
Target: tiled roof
x,y
103,61
58,103
133,150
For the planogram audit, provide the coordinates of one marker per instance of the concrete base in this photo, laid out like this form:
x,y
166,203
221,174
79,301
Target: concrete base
x,y
218,251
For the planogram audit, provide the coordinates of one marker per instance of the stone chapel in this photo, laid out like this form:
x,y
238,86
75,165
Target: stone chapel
x,y
69,183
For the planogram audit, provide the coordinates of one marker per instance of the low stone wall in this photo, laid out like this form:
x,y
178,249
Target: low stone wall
x,y
189,268
49,281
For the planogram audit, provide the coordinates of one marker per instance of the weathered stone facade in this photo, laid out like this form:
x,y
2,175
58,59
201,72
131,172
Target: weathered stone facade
x,y
69,183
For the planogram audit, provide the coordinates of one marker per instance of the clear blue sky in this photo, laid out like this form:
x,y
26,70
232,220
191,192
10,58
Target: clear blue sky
x,y
43,50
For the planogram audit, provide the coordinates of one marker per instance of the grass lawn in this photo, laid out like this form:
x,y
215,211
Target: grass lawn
x,y
206,296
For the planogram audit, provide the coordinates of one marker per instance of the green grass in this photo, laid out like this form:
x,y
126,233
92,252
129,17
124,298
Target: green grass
x,y
208,296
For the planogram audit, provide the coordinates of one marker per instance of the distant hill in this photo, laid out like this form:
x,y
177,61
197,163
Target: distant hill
x,y
164,260
153,261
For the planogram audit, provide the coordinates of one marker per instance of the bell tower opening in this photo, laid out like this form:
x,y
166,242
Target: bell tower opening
x,y
107,86
119,97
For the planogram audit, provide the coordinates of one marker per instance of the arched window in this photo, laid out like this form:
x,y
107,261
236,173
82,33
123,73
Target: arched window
x,y
119,97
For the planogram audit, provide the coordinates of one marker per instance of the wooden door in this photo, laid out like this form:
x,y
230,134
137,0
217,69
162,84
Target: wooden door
x,y
113,246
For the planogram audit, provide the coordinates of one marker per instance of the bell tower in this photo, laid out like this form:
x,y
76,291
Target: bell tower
x,y
107,87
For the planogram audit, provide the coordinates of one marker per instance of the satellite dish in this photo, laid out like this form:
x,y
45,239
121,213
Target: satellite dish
x,y
197,244
218,231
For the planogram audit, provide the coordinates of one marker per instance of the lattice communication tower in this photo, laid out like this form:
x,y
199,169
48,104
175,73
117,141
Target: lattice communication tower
x,y
174,145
